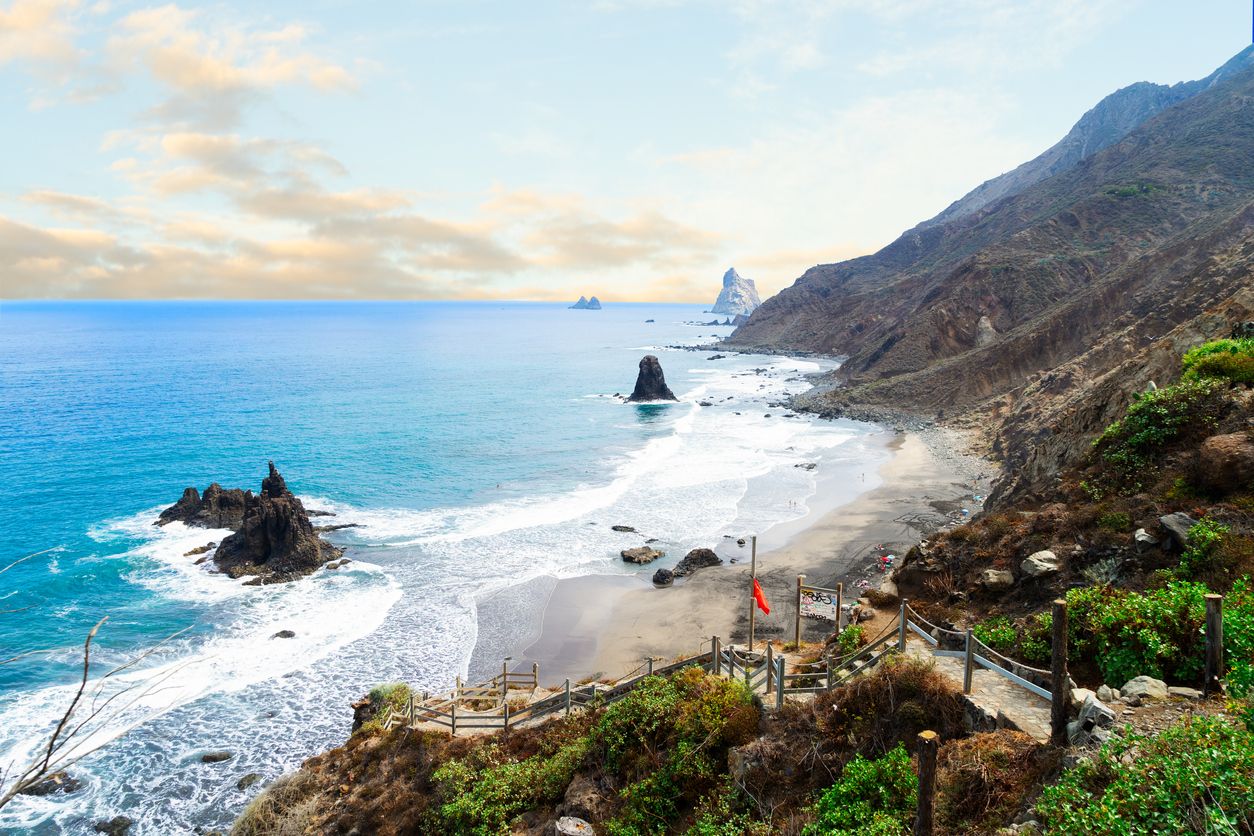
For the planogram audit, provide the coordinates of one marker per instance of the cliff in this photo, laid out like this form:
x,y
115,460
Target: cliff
x,y
1064,280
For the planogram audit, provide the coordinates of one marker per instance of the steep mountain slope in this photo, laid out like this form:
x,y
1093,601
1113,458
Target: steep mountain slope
x,y
1113,118
1099,240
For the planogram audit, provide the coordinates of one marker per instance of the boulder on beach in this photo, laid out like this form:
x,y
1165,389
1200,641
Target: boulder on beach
x,y
641,554
651,383
663,577
697,559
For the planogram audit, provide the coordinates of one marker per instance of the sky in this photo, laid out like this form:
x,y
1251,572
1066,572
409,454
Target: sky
x,y
456,149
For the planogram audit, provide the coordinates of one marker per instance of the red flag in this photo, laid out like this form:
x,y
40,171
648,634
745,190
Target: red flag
x,y
760,597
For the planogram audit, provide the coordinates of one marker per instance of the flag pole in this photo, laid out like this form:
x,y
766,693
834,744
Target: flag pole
x,y
753,577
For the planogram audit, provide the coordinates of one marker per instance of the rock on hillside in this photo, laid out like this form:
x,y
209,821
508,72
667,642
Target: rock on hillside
x,y
739,295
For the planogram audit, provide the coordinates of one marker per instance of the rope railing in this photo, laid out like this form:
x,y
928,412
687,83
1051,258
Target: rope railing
x,y
988,652
924,622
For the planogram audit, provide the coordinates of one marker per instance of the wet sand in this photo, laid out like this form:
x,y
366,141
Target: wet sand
x,y
607,625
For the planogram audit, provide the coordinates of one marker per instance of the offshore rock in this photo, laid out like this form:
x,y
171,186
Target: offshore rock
x,y
275,541
593,304
651,383
217,508
697,559
739,296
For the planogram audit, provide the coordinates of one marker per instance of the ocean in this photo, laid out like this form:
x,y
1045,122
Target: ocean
x,y
478,446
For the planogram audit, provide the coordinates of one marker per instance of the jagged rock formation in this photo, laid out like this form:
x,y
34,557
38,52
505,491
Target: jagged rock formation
x,y
217,508
1009,310
275,542
651,383
593,304
739,295
273,538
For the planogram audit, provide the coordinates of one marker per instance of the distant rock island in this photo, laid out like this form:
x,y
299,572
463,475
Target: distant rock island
x,y
651,383
273,540
584,304
738,296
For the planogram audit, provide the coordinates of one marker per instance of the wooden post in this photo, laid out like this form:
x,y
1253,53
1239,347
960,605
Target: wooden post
x,y
968,670
453,718
1214,645
770,667
718,656
1061,690
901,628
753,576
650,668
535,674
411,708
568,696
840,612
505,680
796,640
779,683
505,716
927,784
457,687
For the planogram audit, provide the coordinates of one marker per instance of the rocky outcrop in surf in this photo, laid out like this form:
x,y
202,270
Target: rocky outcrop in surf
x,y
738,296
584,304
216,508
274,541
651,383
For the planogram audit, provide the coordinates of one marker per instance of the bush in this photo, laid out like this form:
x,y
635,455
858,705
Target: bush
x,y
393,696
983,781
850,639
893,703
1154,420
1204,539
1196,777
1115,521
1231,360
871,797
1239,641
998,633
1129,633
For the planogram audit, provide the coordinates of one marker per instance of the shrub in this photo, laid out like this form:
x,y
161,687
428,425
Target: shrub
x,y
998,633
1129,633
1115,521
898,699
1204,539
876,797
392,696
850,639
1231,360
983,780
1239,641
1153,421
1195,777
286,806
1036,643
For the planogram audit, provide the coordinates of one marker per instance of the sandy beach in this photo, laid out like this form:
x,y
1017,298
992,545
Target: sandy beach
x,y
606,625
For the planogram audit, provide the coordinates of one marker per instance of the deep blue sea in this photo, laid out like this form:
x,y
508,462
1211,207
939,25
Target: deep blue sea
x,y
478,446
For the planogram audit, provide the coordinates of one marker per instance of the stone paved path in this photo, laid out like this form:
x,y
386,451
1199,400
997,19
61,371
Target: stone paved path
x,y
994,693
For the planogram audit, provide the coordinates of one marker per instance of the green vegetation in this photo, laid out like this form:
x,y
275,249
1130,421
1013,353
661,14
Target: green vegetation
x,y
666,743
998,633
392,696
850,639
1134,190
875,797
1231,360
1154,420
1204,540
1196,777
1115,521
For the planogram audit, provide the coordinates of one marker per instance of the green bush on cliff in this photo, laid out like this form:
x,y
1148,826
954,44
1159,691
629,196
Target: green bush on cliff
x,y
390,696
998,633
1155,420
1195,777
1231,360
871,798
1204,539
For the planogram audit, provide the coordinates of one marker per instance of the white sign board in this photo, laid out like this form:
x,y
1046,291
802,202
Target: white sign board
x,y
817,602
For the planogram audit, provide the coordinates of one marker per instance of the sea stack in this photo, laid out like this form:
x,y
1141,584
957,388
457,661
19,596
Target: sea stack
x,y
273,540
584,304
739,296
651,383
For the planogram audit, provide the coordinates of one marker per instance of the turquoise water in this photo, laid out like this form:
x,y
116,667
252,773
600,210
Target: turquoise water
x,y
477,446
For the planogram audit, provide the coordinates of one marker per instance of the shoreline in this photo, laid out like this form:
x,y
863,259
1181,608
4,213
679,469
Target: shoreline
x,y
607,625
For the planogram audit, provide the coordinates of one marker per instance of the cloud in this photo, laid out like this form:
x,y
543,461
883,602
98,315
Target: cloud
x,y
40,32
